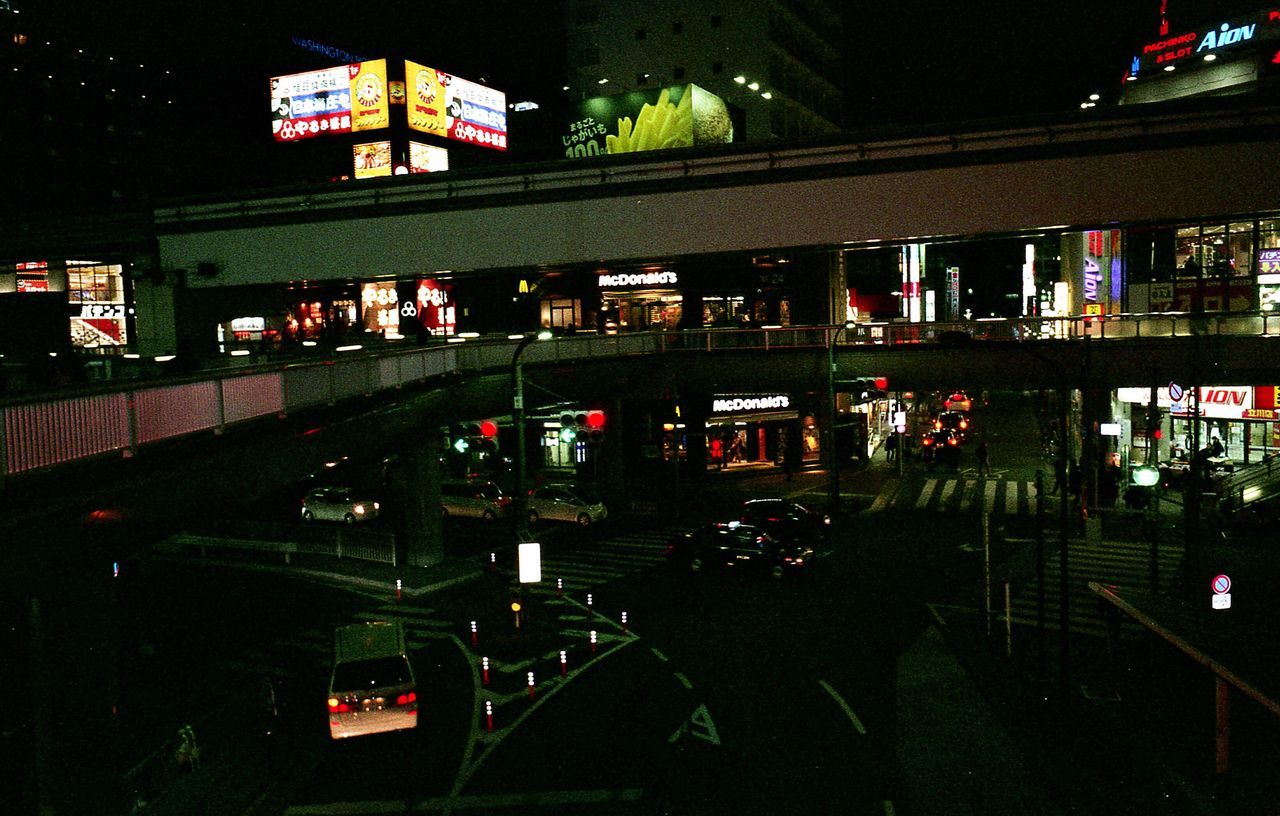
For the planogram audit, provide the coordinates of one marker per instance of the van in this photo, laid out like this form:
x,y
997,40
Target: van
x,y
473,498
372,688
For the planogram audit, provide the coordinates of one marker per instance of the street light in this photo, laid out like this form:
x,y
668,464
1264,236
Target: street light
x,y
517,415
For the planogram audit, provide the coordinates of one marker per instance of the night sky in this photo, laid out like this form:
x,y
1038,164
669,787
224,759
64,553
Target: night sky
x,y
907,63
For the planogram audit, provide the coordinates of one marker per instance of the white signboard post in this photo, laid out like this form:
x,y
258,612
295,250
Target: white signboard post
x,y
530,555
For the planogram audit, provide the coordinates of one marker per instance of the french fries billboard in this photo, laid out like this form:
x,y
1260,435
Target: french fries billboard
x,y
679,116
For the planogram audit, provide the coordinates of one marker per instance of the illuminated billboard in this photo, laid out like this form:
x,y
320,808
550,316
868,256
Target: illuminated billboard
x,y
454,108
679,116
435,307
380,307
315,103
372,160
424,158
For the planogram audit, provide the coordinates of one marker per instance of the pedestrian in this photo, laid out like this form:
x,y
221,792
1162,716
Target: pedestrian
x,y
1059,475
891,448
188,753
984,466
1216,447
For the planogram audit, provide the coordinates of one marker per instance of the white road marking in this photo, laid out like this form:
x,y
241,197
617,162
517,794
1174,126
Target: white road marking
x,y
684,681
658,654
1011,498
989,496
926,493
857,723
966,496
948,487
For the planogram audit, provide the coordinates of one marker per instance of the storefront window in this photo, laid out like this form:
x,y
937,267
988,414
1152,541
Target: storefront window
x,y
1269,234
1240,248
98,289
561,314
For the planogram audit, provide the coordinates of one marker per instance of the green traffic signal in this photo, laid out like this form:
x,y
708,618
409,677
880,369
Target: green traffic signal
x,y
461,445
568,434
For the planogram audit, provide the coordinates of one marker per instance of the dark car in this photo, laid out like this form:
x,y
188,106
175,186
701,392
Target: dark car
x,y
732,545
786,520
941,447
957,422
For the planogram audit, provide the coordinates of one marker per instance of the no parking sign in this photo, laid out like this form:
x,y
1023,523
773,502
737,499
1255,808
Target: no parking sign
x,y
1221,592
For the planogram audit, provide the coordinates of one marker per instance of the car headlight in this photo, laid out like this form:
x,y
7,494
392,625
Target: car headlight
x,y
359,509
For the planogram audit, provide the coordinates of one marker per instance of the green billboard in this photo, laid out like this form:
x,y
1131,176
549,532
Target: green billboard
x,y
679,116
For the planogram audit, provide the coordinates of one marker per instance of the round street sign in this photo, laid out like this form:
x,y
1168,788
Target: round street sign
x,y
1221,585
1175,392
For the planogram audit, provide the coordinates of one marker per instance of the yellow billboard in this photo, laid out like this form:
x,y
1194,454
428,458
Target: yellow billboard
x,y
370,102
372,160
427,106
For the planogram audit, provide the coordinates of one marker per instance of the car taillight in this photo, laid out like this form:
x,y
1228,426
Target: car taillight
x,y
963,424
502,501
952,441
926,441
337,706
405,699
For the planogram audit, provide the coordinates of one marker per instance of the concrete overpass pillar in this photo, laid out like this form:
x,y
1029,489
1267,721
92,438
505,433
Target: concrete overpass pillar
x,y
693,410
415,491
613,452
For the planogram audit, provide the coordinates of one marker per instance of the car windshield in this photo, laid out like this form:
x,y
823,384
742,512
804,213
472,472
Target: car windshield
x,y
579,494
489,490
379,672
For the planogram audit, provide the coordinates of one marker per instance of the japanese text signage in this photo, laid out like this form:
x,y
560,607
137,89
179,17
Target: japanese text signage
x,y
436,311
454,108
332,100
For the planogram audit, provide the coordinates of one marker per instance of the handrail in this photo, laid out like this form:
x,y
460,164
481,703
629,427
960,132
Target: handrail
x,y
47,429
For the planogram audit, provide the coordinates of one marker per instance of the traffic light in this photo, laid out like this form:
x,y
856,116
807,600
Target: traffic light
x,y
480,436
595,427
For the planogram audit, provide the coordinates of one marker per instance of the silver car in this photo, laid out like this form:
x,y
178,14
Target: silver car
x,y
566,502
473,498
338,504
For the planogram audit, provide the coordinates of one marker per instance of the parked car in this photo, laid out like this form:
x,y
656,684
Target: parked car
x,y
566,502
732,545
786,520
473,498
338,504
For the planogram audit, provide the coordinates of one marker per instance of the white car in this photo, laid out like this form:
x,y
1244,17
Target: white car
x,y
566,502
338,504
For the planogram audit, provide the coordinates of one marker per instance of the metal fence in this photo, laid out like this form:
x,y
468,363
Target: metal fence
x,y
42,433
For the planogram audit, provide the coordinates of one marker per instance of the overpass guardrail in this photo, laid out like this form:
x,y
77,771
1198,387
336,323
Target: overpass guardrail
x,y
43,430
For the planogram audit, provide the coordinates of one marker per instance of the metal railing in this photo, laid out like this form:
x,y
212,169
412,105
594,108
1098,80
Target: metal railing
x,y
50,429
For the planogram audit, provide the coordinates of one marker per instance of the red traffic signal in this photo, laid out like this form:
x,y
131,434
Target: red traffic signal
x,y
1159,434
595,420
488,428
882,383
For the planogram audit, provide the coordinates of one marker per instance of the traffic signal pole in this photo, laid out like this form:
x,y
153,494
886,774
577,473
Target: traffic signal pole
x,y
833,469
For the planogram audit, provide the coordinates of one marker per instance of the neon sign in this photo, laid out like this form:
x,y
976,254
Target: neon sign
x,y
642,279
1226,36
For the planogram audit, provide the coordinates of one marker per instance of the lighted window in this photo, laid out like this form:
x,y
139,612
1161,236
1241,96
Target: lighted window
x,y
19,38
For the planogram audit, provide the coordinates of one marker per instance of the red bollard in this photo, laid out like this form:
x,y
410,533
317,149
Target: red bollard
x,y
559,587
475,640
399,587
564,663
484,670
493,562
624,623
530,685
488,715
593,641
590,612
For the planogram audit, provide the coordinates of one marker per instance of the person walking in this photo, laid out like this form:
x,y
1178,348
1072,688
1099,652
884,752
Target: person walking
x,y
984,465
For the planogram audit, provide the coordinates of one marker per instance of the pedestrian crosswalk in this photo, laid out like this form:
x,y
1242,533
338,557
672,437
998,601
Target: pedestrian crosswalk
x,y
595,564
1006,496
1119,564
308,653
